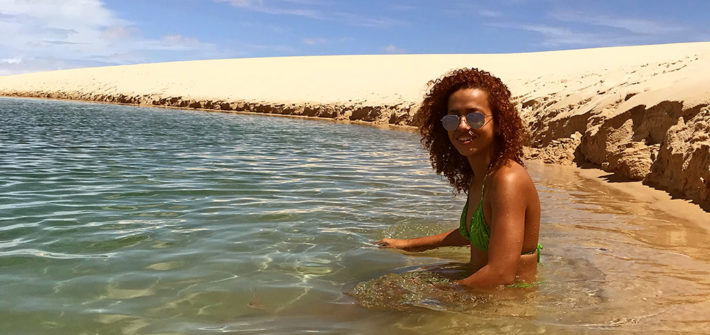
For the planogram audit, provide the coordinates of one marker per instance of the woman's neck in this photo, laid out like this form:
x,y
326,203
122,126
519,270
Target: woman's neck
x,y
479,164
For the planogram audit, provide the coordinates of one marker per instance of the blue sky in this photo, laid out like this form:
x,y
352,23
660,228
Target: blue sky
x,y
39,35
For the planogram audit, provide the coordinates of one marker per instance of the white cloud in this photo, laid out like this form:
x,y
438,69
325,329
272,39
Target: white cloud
x,y
364,21
16,60
572,29
262,7
402,7
77,14
632,25
33,64
308,2
120,32
314,41
270,48
309,9
489,13
626,30
560,36
176,41
77,33
393,49
242,3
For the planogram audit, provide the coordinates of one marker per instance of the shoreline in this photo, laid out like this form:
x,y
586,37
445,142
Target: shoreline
x,y
658,198
640,112
398,127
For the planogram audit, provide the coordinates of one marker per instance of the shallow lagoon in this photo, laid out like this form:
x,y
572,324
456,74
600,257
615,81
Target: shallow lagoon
x,y
125,220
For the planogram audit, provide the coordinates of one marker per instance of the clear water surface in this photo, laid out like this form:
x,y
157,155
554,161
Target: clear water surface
x,y
126,220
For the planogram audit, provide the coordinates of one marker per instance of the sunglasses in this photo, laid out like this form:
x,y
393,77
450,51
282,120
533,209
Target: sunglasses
x,y
474,120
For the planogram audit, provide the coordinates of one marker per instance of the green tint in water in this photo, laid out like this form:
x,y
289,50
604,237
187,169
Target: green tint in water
x,y
428,287
123,220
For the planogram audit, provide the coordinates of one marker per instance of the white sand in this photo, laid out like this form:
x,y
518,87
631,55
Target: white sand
x,y
379,79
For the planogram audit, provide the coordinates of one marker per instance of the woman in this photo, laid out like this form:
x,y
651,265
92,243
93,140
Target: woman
x,y
474,136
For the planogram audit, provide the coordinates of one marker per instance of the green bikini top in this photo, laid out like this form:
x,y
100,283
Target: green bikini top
x,y
480,233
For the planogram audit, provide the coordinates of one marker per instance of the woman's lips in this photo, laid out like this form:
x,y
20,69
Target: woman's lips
x,y
465,139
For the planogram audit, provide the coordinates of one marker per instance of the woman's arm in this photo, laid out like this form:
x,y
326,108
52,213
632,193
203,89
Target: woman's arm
x,y
509,202
448,239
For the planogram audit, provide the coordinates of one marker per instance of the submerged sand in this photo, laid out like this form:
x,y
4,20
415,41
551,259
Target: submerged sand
x,y
642,112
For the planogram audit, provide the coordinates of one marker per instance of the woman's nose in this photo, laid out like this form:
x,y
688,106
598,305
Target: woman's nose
x,y
463,124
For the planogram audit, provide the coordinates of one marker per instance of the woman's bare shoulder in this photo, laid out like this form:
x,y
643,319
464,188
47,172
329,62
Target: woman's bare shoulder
x,y
511,174
511,183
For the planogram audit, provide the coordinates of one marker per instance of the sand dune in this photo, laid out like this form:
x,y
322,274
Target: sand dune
x,y
641,112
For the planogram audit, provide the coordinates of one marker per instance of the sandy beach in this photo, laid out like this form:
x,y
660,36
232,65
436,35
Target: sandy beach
x,y
641,112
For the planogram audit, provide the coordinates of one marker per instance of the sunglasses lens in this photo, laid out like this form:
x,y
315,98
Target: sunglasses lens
x,y
450,122
475,120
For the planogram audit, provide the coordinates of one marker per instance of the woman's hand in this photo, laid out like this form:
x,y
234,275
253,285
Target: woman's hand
x,y
403,244
450,238
392,243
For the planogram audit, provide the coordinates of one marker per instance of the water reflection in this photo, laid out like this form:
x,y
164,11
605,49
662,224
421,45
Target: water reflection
x,y
128,220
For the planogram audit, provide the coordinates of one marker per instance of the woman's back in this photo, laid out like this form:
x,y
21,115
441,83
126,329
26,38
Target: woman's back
x,y
530,199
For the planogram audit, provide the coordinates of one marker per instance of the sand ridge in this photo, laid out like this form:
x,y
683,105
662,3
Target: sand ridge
x,y
642,112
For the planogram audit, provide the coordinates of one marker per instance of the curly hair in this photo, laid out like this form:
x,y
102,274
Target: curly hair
x,y
509,133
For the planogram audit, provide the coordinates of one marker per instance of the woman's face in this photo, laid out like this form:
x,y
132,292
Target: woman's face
x,y
467,140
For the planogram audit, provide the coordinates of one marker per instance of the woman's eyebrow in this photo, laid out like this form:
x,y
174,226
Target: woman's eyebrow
x,y
467,109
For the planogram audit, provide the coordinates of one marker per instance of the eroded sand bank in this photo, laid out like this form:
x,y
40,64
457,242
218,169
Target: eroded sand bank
x,y
642,112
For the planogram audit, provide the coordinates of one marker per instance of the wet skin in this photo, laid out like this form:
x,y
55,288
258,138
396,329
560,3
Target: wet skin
x,y
510,205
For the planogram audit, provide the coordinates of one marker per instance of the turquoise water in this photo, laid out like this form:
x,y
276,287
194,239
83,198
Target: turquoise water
x,y
126,220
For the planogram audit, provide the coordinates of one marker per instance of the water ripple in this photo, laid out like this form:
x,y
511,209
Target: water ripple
x,y
119,219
